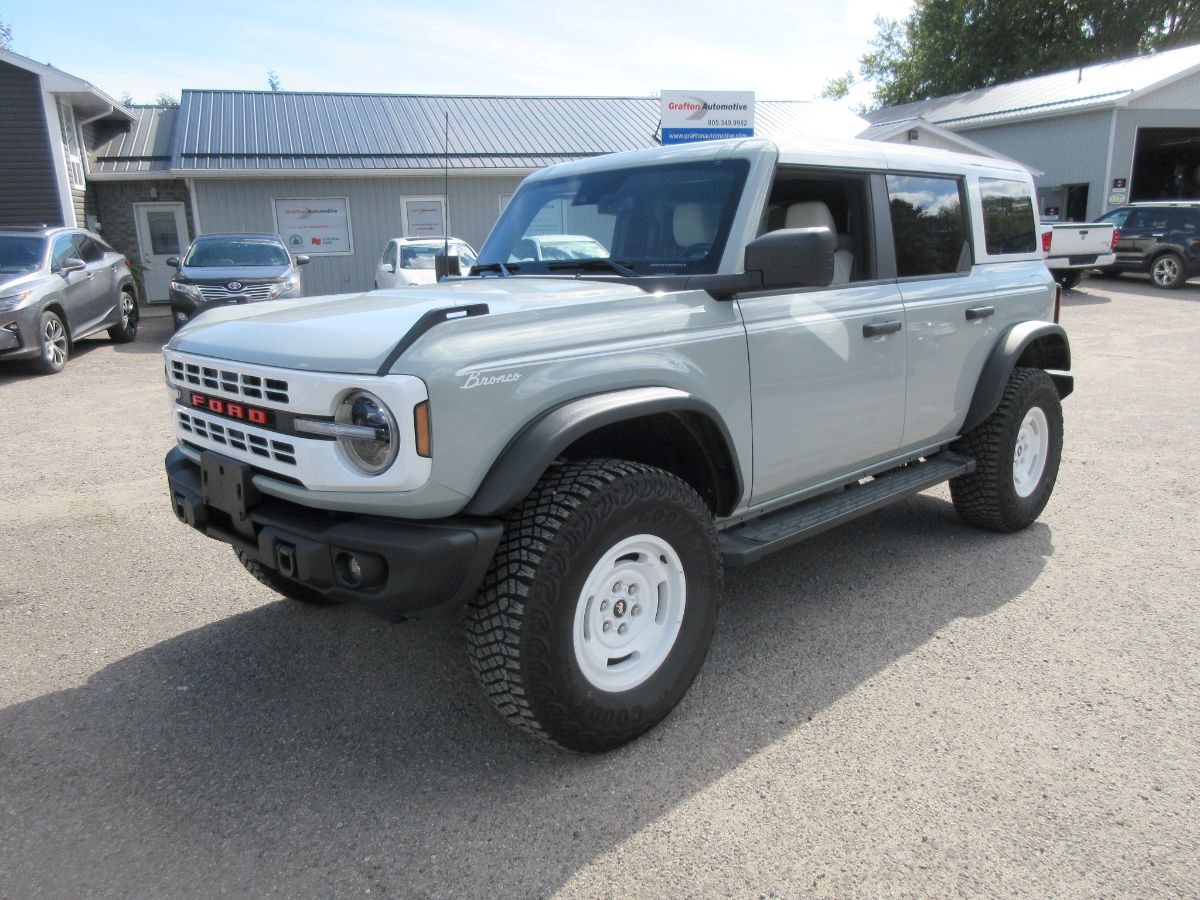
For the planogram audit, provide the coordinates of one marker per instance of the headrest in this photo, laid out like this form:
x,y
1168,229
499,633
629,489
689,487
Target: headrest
x,y
811,214
692,225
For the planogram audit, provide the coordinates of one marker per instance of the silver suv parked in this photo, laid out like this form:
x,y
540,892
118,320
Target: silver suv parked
x,y
223,269
763,344
57,286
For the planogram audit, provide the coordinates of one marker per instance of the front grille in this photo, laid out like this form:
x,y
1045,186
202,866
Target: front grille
x,y
220,292
230,381
238,439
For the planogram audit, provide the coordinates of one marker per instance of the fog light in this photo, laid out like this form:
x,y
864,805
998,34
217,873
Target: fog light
x,y
358,570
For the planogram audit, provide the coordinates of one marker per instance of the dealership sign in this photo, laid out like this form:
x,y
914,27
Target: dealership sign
x,y
315,226
706,115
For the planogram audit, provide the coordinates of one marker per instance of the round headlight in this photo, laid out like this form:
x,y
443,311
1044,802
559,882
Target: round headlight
x,y
364,409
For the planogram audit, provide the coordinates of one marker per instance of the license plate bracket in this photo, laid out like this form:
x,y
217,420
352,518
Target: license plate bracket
x,y
227,485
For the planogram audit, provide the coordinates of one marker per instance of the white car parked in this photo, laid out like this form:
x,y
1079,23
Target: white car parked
x,y
408,261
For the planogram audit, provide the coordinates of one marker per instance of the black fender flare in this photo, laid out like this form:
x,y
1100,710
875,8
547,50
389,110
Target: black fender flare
x,y
1054,355
519,466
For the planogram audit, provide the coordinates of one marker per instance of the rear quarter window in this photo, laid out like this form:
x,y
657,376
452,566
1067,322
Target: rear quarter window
x,y
1009,225
927,222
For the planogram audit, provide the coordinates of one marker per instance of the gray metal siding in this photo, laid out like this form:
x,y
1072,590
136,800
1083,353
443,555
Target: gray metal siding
x,y
28,186
1070,150
143,145
246,204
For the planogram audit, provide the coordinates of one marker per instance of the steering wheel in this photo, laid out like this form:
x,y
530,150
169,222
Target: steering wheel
x,y
696,251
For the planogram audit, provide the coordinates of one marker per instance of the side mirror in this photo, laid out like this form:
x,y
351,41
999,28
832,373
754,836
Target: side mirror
x,y
793,257
173,262
388,268
71,264
446,266
302,260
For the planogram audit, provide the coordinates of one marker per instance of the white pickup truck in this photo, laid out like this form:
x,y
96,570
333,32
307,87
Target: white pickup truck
x,y
1072,247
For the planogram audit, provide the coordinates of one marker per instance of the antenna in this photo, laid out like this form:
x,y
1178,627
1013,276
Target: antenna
x,y
446,182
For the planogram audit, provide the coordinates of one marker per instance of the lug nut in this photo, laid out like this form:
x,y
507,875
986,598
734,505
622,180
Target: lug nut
x,y
622,629
603,605
607,627
636,611
632,589
617,588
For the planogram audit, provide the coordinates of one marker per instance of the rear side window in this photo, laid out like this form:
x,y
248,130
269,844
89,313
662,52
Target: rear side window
x,y
1008,222
927,222
89,250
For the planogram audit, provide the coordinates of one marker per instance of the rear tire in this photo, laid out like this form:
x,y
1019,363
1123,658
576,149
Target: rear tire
x,y
280,585
600,604
56,345
1167,271
1068,278
126,328
1017,451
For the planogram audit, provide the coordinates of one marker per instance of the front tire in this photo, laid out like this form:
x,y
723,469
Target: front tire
x,y
126,328
600,604
1167,271
1017,450
289,589
56,344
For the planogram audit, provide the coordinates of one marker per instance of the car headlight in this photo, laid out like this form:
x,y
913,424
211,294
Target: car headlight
x,y
12,301
364,410
282,287
188,290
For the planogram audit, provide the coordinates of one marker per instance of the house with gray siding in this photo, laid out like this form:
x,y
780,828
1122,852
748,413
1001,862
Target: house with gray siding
x,y
1096,137
52,121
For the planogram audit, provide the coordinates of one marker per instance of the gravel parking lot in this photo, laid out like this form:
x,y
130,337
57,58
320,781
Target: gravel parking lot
x,y
901,706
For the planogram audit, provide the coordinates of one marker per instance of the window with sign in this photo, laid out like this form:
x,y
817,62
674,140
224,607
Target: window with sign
x,y
424,217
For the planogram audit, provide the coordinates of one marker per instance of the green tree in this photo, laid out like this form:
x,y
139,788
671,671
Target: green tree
x,y
126,98
5,35
273,79
948,46
837,88
165,100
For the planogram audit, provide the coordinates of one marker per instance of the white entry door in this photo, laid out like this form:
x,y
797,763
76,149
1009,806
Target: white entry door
x,y
161,232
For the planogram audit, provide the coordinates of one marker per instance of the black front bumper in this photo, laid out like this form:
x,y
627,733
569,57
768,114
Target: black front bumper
x,y
406,567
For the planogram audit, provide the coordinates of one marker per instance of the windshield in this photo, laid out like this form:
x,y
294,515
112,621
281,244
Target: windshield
x,y
421,256
1117,217
655,220
20,255
226,252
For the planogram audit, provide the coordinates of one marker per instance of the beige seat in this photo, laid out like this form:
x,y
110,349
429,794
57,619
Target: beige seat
x,y
692,225
815,214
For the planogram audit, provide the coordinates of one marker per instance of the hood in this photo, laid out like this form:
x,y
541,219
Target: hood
x,y
235,273
10,284
354,333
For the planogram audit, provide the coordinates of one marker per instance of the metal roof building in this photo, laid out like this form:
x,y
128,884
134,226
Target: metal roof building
x,y
1101,135
248,160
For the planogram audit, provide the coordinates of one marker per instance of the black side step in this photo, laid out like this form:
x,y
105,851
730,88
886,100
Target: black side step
x,y
749,542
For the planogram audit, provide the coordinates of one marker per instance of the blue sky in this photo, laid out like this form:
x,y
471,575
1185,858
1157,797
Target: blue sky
x,y
617,47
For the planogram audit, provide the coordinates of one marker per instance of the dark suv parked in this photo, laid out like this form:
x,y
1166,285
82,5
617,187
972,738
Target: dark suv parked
x,y
58,285
219,269
1162,238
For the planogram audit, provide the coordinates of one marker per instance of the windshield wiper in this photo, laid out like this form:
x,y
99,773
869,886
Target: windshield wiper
x,y
611,264
500,267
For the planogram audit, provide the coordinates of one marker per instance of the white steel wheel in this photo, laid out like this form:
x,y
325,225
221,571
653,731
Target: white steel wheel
x,y
629,613
1030,452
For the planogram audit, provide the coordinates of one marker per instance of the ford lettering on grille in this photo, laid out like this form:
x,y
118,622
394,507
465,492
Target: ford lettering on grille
x,y
242,412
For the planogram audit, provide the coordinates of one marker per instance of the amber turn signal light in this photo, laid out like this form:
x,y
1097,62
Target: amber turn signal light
x,y
421,427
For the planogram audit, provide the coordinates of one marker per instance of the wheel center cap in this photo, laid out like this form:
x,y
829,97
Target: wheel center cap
x,y
619,608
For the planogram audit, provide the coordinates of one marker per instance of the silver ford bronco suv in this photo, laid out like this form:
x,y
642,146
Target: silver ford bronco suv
x,y
762,344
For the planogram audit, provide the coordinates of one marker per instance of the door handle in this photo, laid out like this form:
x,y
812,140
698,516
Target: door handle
x,y
876,329
980,312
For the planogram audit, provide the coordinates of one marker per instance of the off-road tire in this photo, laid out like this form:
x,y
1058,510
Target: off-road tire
x,y
521,625
1068,278
126,329
52,331
280,585
1167,271
988,498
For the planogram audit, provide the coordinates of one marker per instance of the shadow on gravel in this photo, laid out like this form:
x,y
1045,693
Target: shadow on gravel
x,y
295,750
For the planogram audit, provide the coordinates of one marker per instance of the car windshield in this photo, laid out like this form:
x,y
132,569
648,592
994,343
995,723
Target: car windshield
x,y
421,256
227,252
20,254
670,219
1117,217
